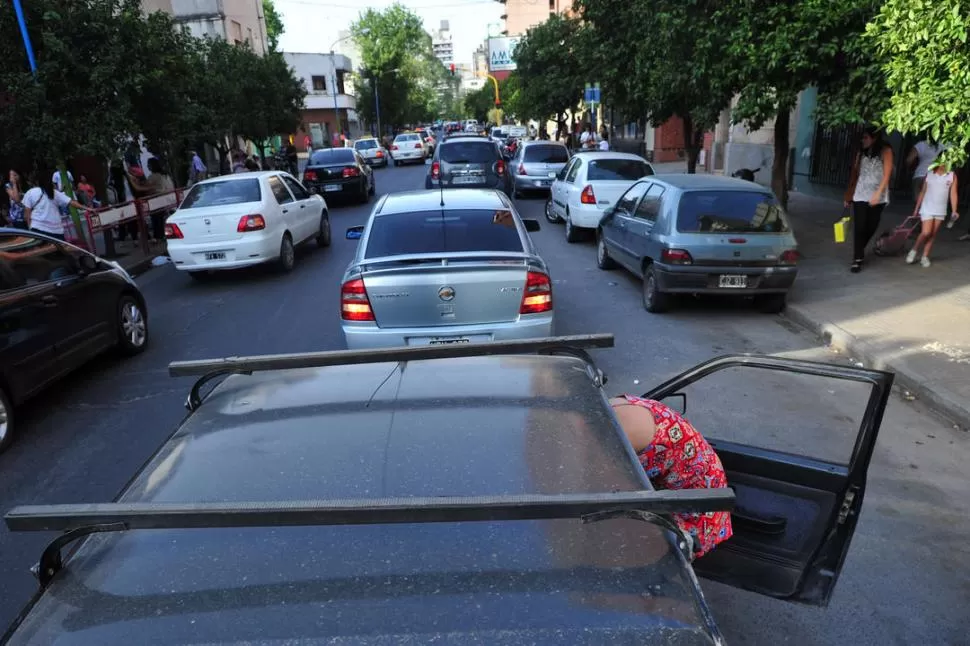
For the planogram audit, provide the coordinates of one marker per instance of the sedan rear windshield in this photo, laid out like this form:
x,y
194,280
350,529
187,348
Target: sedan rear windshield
x,y
407,138
366,144
235,191
332,156
546,154
443,232
730,212
617,169
468,152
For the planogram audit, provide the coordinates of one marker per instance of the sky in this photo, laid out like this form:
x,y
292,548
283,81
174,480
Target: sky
x,y
312,25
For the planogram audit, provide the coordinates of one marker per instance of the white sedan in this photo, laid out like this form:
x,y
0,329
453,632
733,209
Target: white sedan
x,y
589,184
408,146
244,219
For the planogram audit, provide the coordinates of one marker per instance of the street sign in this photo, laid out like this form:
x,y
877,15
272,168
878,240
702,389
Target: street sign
x,y
592,93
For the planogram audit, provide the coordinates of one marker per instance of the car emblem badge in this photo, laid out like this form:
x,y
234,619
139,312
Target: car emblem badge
x,y
208,221
446,293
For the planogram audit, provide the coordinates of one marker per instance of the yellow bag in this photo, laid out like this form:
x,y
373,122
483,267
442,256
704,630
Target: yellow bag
x,y
841,227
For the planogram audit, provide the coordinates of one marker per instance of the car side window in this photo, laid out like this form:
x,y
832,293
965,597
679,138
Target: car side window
x,y
574,171
280,191
296,188
36,260
628,200
649,207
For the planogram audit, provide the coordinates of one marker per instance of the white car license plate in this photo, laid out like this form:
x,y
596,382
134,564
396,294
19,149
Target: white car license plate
x,y
733,281
552,175
216,255
329,188
437,340
467,179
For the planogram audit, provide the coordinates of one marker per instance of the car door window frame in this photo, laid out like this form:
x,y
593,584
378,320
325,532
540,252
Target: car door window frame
x,y
574,171
653,197
272,190
619,210
70,263
287,180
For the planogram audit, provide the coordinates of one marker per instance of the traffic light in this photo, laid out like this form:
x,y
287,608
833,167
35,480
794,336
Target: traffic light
x,y
452,67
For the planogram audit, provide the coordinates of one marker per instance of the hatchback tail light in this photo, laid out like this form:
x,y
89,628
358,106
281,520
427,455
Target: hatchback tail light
x,y
522,169
393,147
676,257
500,167
354,304
351,172
789,257
419,146
254,222
435,170
588,196
380,154
538,294
172,232
310,176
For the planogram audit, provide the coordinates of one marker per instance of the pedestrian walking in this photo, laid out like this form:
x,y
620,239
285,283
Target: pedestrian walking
x,y
197,169
868,191
939,188
15,193
919,159
604,143
587,139
157,182
43,204
57,180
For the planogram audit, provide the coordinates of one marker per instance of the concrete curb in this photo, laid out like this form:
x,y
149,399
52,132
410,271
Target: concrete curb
x,y
942,400
140,267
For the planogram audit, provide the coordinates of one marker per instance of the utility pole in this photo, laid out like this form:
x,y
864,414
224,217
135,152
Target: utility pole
x,y
336,110
377,108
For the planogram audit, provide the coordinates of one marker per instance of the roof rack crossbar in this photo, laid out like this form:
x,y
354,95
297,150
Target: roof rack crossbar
x,y
130,516
385,355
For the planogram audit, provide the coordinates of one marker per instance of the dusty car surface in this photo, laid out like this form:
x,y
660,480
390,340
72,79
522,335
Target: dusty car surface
x,y
475,494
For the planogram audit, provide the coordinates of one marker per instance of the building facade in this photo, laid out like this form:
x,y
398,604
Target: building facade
x,y
330,107
237,21
443,44
151,6
521,14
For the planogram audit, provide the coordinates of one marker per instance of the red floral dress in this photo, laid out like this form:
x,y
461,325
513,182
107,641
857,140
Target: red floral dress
x,y
680,458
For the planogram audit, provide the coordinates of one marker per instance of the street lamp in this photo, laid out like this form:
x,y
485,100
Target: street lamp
x,y
333,77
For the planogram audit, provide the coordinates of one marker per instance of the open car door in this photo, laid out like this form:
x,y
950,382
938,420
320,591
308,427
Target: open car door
x,y
799,480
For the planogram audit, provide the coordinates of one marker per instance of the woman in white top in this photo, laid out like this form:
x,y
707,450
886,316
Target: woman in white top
x,y
42,212
604,143
868,191
939,188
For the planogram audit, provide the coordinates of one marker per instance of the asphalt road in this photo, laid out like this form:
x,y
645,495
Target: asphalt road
x,y
906,579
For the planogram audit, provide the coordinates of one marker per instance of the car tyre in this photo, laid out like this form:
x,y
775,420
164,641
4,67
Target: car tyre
x,y
373,186
771,303
6,421
323,236
287,259
397,163
573,234
364,196
603,260
550,214
654,301
132,326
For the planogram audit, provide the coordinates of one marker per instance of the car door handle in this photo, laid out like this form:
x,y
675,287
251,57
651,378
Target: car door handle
x,y
286,210
303,206
48,301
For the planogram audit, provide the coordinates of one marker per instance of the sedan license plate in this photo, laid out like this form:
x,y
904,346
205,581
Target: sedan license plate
x,y
329,188
216,255
448,340
732,281
467,179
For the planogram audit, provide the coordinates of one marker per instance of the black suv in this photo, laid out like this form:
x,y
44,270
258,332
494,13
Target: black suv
x,y
469,162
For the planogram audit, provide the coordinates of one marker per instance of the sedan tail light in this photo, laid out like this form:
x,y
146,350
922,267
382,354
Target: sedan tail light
x,y
354,304
436,170
500,167
419,146
393,146
789,257
676,257
351,172
254,222
588,196
310,176
522,169
172,232
538,294
380,154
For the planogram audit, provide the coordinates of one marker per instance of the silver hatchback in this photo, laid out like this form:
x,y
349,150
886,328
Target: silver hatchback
x,y
444,267
536,164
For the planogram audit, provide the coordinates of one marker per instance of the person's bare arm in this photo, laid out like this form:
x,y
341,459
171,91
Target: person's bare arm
x,y
954,197
636,421
853,179
919,199
27,213
912,158
887,173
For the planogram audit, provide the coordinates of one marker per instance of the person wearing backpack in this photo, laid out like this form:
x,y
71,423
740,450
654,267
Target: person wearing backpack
x,y
42,207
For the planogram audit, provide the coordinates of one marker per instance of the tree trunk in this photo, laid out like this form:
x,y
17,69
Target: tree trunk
x,y
692,143
779,166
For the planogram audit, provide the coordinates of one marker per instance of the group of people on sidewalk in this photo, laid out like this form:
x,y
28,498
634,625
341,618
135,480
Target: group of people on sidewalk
x,y
934,187
38,205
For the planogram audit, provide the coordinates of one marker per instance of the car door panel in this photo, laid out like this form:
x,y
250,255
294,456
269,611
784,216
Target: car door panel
x,y
794,516
640,227
286,205
307,213
29,325
622,218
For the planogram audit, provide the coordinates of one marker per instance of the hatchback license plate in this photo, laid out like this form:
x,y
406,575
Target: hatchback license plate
x,y
330,188
733,281
448,340
467,179
216,255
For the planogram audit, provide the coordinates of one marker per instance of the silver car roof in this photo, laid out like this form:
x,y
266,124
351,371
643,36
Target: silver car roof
x,y
424,200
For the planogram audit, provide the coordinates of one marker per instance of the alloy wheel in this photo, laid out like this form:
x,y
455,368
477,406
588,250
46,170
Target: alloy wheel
x,y
133,324
4,420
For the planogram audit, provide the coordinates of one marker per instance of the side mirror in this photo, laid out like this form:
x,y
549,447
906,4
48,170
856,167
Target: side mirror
x,y
355,233
677,401
87,264
531,225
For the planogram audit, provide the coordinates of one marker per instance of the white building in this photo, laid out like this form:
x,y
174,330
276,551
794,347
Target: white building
x,y
442,44
237,21
327,97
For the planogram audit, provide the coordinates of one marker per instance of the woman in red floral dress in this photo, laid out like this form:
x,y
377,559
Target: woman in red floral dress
x,y
676,456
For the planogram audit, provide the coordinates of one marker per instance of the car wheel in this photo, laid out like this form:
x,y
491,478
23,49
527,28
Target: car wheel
x,y
603,260
397,163
516,193
132,325
572,233
550,214
364,196
654,301
771,303
287,257
323,234
6,421
373,186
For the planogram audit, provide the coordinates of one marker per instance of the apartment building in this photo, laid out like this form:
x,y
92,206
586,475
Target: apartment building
x,y
521,14
442,44
330,106
151,6
237,21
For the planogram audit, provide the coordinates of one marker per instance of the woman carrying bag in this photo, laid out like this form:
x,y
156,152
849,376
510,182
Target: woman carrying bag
x,y
868,191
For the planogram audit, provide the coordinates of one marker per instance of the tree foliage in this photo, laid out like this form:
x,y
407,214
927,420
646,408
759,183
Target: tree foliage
x,y
274,25
551,69
923,49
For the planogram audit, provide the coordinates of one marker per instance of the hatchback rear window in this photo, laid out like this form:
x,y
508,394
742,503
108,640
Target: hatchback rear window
x,y
468,152
237,191
546,154
367,144
332,156
443,232
617,169
730,212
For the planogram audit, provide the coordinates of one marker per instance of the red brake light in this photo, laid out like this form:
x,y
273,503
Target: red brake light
x,y
588,196
522,169
500,167
435,170
380,153
393,146
419,145
254,222
676,257
789,257
172,232
538,294
351,172
309,176
354,304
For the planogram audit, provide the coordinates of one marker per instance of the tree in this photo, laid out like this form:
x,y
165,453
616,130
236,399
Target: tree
x,y
923,49
273,99
478,103
274,25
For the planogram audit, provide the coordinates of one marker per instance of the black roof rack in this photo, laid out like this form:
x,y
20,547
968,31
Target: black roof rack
x,y
80,520
209,369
